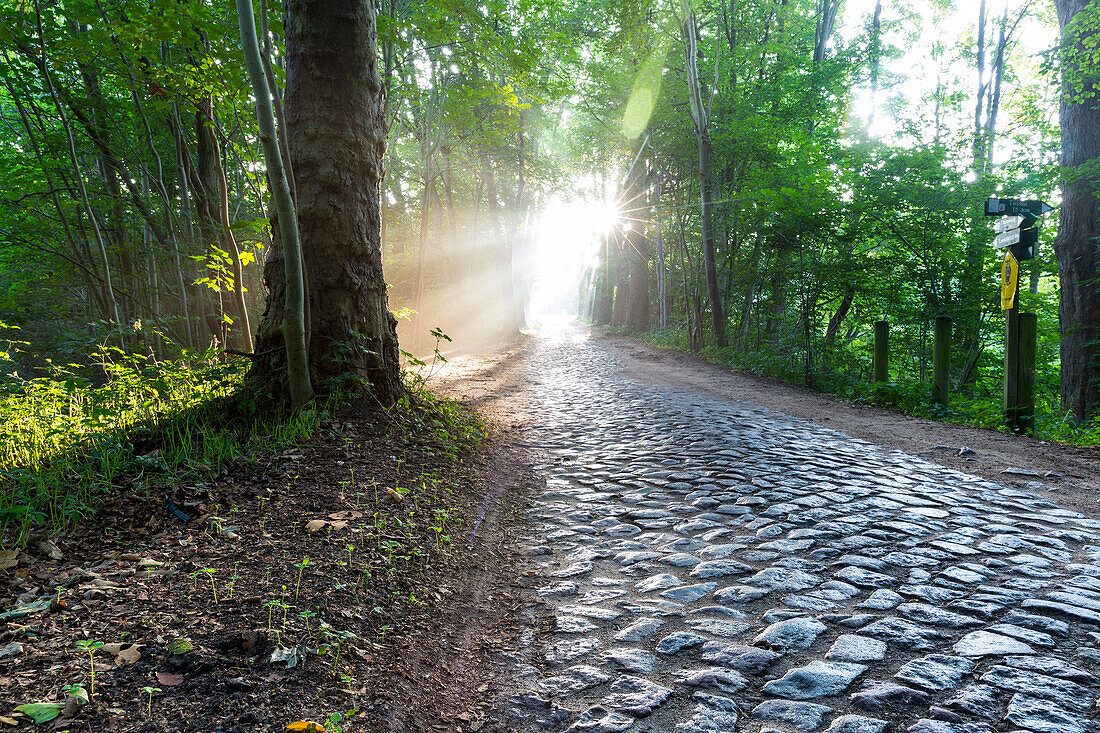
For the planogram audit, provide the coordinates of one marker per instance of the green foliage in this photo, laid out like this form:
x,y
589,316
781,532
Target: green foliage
x,y
68,440
981,408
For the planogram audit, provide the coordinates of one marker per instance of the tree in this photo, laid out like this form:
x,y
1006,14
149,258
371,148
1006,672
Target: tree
x,y
700,115
1079,216
336,133
294,326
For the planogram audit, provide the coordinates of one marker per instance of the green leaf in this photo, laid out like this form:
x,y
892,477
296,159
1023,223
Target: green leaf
x,y
40,712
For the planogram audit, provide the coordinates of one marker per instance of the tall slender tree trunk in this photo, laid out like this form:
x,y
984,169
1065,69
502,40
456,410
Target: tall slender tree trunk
x,y
602,311
502,251
293,326
700,115
337,135
875,53
1076,247
662,284
108,287
637,253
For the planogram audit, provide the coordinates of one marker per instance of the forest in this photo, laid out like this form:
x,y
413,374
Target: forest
x,y
330,329
760,181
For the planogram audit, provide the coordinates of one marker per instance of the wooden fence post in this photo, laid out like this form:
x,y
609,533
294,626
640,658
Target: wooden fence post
x,y
941,361
881,372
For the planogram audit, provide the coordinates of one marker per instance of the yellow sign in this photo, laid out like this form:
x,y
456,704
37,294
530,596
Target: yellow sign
x,y
1010,275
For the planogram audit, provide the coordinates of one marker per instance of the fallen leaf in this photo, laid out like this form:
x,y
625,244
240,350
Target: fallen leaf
x,y
52,550
71,708
78,693
40,712
8,559
283,654
8,721
307,726
42,604
315,525
129,656
169,680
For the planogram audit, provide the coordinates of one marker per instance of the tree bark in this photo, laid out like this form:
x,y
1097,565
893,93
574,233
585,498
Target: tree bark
x,y
293,326
638,252
337,134
1078,226
700,116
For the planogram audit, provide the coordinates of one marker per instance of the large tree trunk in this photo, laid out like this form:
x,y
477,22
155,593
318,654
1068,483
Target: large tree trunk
x,y
1078,230
337,133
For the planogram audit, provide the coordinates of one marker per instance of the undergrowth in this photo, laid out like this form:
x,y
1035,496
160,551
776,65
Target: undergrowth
x,y
78,434
981,408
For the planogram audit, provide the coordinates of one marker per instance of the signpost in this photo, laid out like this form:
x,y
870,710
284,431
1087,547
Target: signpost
x,y
1018,235
1016,207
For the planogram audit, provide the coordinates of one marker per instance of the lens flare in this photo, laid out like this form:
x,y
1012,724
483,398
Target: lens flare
x,y
566,243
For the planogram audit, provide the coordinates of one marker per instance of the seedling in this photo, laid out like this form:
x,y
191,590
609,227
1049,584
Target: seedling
x,y
334,639
210,572
149,691
301,566
307,615
364,575
77,691
233,580
270,606
90,645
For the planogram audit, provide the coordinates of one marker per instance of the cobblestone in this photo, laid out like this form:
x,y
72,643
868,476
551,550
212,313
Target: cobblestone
x,y
711,565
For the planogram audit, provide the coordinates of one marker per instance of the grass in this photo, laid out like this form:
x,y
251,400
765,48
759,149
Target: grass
x,y
978,409
69,439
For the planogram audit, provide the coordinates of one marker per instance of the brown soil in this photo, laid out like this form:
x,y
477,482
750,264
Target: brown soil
x,y
1075,485
423,630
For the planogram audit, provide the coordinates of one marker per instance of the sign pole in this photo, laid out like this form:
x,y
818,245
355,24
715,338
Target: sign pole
x,y
1027,324
1018,234
1010,298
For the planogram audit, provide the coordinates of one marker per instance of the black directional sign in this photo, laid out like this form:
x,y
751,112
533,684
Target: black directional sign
x,y
1016,207
1019,228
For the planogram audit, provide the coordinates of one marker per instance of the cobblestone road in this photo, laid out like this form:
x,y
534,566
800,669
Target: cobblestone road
x,y
718,566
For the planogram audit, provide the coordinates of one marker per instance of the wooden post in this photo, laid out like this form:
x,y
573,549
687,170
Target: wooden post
x,y
880,372
1025,373
1012,364
941,361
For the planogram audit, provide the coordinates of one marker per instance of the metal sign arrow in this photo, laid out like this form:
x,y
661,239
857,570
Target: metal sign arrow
x,y
1008,223
1007,239
1010,207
